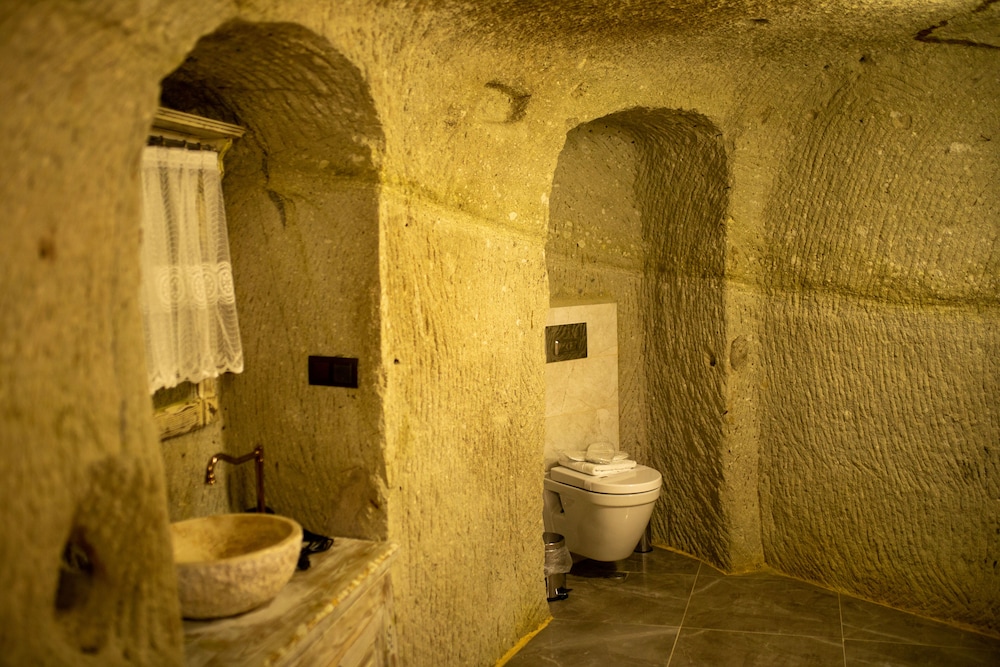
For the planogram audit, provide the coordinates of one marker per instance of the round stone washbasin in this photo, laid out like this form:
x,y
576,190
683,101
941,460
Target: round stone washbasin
x,y
231,563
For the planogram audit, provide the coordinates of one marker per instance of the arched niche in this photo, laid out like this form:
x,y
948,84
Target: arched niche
x,y
301,190
637,214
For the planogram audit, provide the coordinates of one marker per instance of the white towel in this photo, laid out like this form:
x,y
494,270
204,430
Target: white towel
x,y
597,469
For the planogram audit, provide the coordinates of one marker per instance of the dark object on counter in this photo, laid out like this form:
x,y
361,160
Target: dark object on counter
x,y
312,543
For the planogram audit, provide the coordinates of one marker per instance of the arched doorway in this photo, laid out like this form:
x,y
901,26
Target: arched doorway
x,y
301,190
637,217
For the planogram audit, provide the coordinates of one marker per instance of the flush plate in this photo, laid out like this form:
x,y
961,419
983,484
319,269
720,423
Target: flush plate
x,y
564,342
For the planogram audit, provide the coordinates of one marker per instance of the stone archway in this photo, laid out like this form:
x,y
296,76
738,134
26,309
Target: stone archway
x,y
636,216
302,191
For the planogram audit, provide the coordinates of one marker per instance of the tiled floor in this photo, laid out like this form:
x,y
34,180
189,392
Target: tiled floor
x,y
664,609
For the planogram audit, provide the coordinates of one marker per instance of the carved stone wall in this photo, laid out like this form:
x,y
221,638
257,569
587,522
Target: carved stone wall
x,y
848,269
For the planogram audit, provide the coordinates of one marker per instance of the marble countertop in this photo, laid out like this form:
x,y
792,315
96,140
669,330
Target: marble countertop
x,y
266,634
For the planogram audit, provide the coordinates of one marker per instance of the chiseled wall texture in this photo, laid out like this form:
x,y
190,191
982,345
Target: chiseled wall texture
x,y
594,250
442,300
81,466
838,314
184,460
301,196
858,317
638,207
879,310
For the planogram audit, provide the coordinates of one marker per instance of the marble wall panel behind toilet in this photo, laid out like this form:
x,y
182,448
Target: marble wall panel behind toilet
x,y
581,395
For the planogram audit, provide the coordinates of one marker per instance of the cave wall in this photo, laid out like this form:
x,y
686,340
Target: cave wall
x,y
314,238
858,315
879,332
638,210
301,202
81,467
594,250
185,458
856,308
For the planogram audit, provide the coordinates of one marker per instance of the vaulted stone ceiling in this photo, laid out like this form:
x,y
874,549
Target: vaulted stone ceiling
x,y
971,22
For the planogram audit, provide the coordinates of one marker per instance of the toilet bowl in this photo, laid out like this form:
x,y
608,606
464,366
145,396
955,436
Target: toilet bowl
x,y
601,518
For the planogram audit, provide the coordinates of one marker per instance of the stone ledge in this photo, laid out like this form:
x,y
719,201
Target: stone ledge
x,y
268,634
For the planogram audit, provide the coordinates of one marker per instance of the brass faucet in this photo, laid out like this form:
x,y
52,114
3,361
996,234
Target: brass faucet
x,y
257,455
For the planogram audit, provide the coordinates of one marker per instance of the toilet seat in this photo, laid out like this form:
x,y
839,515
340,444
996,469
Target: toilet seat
x,y
637,480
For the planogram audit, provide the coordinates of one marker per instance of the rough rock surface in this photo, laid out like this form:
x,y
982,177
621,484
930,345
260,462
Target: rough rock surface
x,y
802,242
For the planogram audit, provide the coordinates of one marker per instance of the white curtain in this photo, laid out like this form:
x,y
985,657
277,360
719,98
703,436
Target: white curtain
x,y
187,299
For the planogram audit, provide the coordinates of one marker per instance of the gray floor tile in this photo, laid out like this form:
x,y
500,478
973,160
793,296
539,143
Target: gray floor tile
x,y
586,644
883,654
873,622
763,602
659,561
698,648
630,613
639,598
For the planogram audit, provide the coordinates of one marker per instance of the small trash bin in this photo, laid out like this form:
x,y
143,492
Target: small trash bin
x,y
557,563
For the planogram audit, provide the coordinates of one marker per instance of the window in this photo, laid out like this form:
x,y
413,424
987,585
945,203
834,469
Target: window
x,y
186,292
186,407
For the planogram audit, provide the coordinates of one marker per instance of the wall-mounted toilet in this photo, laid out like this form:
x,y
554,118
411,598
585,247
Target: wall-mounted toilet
x,y
602,518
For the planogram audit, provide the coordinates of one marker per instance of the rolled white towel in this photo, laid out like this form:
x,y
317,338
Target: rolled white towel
x,y
597,469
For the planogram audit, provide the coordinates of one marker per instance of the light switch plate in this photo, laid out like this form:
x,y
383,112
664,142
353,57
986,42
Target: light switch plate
x,y
333,371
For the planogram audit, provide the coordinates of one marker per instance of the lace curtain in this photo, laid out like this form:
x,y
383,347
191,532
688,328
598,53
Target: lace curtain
x,y
186,290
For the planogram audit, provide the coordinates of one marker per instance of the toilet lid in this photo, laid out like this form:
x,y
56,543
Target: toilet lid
x,y
636,480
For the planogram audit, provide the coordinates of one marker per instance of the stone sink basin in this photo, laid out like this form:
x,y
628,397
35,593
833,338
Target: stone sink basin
x,y
231,563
